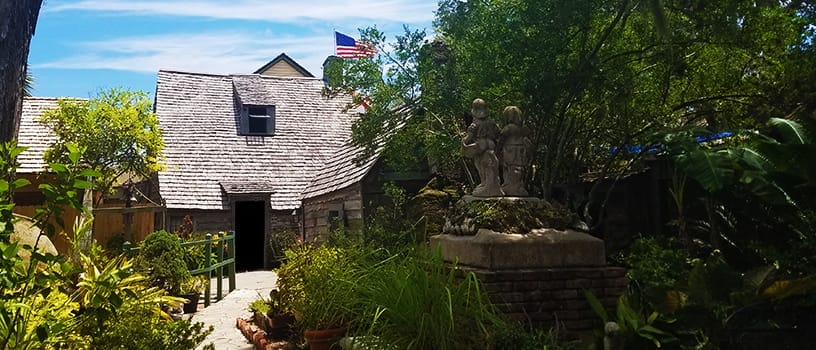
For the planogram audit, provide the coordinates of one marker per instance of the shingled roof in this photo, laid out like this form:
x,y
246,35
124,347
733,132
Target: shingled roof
x,y
205,156
34,135
342,170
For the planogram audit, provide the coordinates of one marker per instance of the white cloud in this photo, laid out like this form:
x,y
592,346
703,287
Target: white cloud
x,y
402,11
215,52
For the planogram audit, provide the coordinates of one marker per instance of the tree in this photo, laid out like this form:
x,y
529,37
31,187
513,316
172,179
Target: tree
x,y
119,130
590,75
17,24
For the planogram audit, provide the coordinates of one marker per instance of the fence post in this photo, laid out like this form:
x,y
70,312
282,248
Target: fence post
x,y
207,264
231,268
220,269
126,248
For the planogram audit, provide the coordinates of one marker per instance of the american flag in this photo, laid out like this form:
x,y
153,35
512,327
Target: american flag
x,y
348,47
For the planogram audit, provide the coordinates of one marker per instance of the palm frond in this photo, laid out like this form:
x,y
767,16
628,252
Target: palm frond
x,y
28,84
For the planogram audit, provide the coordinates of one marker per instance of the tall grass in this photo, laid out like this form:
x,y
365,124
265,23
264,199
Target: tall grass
x,y
415,301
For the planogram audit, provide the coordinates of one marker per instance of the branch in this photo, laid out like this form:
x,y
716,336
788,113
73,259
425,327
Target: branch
x,y
714,98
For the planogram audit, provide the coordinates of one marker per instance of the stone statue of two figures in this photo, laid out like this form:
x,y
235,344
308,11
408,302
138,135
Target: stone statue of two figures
x,y
485,143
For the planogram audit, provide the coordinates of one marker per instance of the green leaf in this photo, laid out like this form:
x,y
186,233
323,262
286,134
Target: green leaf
x,y
58,168
791,131
89,173
20,183
81,184
711,169
596,306
42,332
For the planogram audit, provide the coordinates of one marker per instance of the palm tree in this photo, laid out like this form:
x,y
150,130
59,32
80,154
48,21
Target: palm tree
x,y
18,20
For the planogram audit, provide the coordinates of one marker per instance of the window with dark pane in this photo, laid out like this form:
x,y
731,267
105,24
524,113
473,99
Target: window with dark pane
x,y
258,120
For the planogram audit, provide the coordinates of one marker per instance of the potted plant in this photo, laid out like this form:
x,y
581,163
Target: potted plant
x,y
279,320
318,285
161,258
259,308
191,290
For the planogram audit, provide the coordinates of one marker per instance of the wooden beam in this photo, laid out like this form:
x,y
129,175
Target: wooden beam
x,y
123,210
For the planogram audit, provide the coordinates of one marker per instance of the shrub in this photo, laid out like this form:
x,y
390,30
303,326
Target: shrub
x,y
656,264
317,285
162,259
138,329
280,241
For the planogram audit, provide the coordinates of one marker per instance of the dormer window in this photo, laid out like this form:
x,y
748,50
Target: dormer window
x,y
258,120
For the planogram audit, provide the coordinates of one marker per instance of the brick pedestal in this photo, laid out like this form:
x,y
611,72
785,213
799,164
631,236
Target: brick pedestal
x,y
550,297
539,278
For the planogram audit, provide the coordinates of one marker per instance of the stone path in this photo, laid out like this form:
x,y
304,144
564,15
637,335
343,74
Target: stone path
x,y
249,286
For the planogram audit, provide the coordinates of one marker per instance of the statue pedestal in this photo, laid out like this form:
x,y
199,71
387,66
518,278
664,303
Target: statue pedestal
x,y
539,278
539,248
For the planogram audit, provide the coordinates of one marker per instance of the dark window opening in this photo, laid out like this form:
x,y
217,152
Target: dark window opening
x,y
337,219
257,124
257,111
258,120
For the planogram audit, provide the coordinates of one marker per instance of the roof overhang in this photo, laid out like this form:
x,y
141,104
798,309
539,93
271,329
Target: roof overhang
x,y
240,188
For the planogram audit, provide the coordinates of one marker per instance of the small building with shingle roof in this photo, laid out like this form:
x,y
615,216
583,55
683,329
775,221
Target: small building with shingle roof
x,y
241,149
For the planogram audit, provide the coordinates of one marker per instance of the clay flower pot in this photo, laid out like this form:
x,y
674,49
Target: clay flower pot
x,y
324,339
278,325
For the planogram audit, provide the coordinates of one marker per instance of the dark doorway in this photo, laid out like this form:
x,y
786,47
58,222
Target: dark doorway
x,y
250,221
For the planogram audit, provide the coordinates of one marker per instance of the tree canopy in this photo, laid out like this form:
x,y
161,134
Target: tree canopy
x,y
589,75
119,130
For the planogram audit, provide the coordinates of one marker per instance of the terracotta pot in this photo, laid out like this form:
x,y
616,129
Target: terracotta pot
x,y
279,326
280,320
324,339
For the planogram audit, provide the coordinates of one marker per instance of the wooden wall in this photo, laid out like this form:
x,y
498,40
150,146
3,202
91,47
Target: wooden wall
x,y
108,225
282,69
348,202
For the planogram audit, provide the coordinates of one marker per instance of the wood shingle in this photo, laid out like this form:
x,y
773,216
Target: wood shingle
x,y
34,135
205,156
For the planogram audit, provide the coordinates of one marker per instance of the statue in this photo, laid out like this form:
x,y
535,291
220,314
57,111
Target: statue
x,y
480,144
515,146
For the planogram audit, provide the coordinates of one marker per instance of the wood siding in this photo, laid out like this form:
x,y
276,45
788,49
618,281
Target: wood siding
x,y
211,221
348,201
282,69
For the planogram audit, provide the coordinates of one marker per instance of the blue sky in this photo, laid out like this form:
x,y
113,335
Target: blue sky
x,y
82,46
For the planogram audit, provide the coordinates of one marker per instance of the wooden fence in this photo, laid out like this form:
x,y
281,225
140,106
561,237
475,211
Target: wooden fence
x,y
217,245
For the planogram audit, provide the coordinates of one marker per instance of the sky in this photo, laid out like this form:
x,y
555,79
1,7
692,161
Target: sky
x,y
83,46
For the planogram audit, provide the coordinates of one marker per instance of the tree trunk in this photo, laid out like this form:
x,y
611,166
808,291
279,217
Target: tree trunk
x,y
18,18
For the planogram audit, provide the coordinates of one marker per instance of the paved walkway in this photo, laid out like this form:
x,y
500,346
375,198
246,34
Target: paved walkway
x,y
249,286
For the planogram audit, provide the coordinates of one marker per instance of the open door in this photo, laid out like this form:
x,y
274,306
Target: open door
x,y
250,234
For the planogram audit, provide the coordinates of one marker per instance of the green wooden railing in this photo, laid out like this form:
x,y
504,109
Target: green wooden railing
x,y
211,269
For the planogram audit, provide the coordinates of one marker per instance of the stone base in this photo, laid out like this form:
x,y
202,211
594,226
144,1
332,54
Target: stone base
x,y
539,249
539,278
553,297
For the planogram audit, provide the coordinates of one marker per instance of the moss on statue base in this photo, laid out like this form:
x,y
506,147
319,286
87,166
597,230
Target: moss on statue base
x,y
514,215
